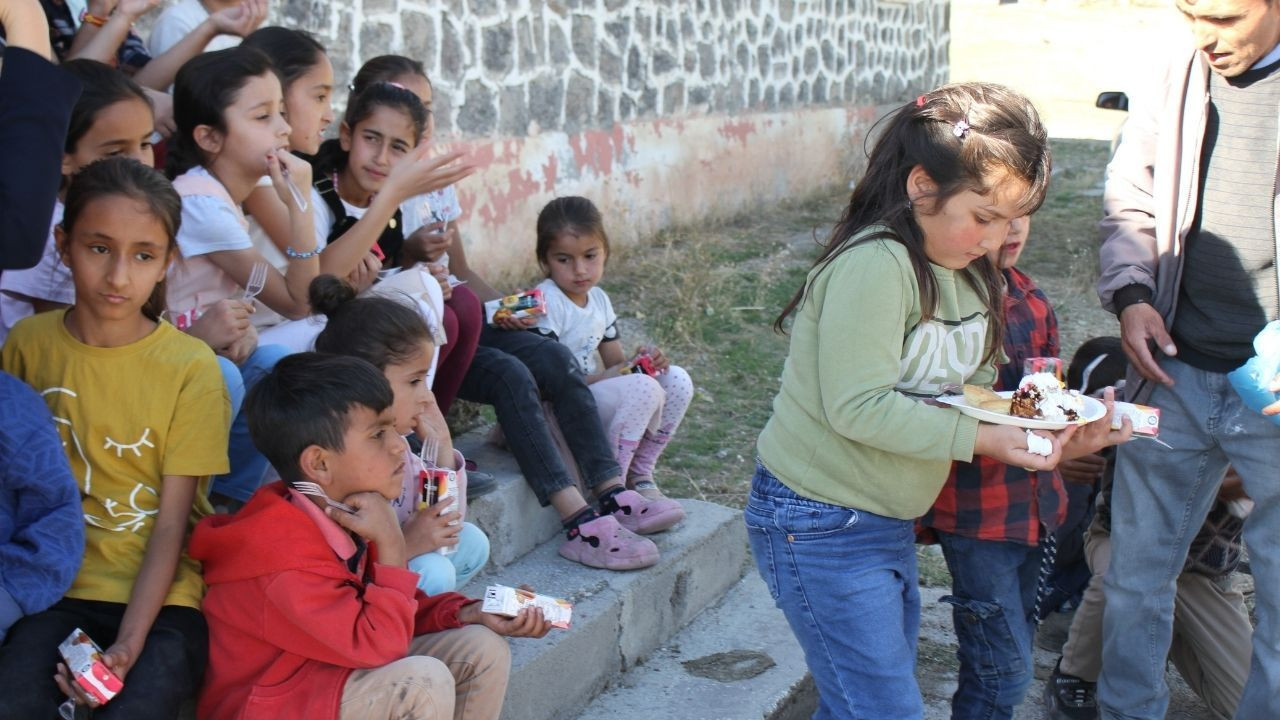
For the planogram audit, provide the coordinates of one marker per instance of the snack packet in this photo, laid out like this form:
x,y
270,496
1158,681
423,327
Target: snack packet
x,y
508,601
1145,419
84,659
523,304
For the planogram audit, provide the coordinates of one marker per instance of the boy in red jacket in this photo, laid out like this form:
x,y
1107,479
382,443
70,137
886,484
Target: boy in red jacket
x,y
311,610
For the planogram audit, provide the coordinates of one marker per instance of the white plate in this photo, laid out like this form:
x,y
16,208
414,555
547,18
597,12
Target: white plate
x,y
1093,410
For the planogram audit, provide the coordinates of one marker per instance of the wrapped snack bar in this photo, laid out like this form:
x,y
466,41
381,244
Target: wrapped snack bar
x,y
84,659
508,601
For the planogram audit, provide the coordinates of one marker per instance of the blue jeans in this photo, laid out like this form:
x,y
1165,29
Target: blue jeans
x,y
1160,499
443,573
846,581
247,464
993,600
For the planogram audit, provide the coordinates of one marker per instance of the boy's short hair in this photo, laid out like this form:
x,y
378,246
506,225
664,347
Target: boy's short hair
x,y
306,401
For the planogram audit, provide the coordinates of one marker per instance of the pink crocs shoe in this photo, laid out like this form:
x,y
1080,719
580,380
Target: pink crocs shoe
x,y
643,516
604,543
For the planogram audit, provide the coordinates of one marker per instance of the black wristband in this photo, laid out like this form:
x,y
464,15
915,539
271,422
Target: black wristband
x,y
1132,294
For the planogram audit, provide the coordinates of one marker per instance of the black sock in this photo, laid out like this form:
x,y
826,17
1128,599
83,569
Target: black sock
x,y
608,500
570,524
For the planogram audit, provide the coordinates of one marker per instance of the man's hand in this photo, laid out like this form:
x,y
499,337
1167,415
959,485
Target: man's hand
x,y
1140,327
1084,470
515,323
528,623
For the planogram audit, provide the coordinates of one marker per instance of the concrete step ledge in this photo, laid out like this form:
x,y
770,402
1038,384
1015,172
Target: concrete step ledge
x,y
744,622
619,618
510,515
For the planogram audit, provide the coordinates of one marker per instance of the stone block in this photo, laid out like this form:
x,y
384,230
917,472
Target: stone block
x,y
663,62
802,92
451,52
371,7
419,33
786,95
583,31
736,100
479,113
442,111
513,111
770,98
620,31
786,10
779,42
611,69
763,60
673,98
699,95
644,25
527,49
546,100
377,38
647,104
626,108
605,114
578,99
743,57
828,55
820,89
636,71
706,60
498,54
483,8
557,46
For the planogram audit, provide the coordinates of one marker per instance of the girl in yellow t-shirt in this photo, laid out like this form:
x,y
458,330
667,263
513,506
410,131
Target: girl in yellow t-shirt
x,y
143,415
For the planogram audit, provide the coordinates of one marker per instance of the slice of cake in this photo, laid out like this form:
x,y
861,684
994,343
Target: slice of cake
x,y
1042,396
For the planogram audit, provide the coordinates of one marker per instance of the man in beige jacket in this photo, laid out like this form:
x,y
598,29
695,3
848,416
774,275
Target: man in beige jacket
x,y
1189,265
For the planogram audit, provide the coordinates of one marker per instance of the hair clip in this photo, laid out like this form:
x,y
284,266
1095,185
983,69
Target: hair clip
x,y
920,101
961,128
394,84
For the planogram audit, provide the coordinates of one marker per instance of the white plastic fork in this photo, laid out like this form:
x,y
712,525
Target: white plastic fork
x,y
314,490
257,281
293,189
430,451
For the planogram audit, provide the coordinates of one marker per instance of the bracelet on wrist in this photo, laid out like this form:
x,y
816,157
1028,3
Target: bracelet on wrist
x,y
88,18
300,255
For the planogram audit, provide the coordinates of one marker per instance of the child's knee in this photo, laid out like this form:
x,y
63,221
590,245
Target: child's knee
x,y
416,686
436,573
677,380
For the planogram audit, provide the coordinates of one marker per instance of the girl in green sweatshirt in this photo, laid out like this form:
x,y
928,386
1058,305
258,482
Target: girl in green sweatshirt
x,y
901,303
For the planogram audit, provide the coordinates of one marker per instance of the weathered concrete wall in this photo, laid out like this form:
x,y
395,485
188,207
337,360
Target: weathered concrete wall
x,y
660,110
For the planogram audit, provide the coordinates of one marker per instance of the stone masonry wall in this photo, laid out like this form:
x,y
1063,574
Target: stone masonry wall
x,y
663,112
519,67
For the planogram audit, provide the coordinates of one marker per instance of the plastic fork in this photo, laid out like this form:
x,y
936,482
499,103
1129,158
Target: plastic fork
x,y
430,451
314,490
257,281
293,189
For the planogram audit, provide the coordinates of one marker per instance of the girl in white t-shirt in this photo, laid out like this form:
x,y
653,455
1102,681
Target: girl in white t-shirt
x,y
641,401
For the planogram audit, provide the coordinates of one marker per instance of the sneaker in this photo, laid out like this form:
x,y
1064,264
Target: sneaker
x,y
604,543
1067,697
643,516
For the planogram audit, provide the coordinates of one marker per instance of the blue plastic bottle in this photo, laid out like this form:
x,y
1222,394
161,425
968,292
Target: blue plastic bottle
x,y
1253,379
